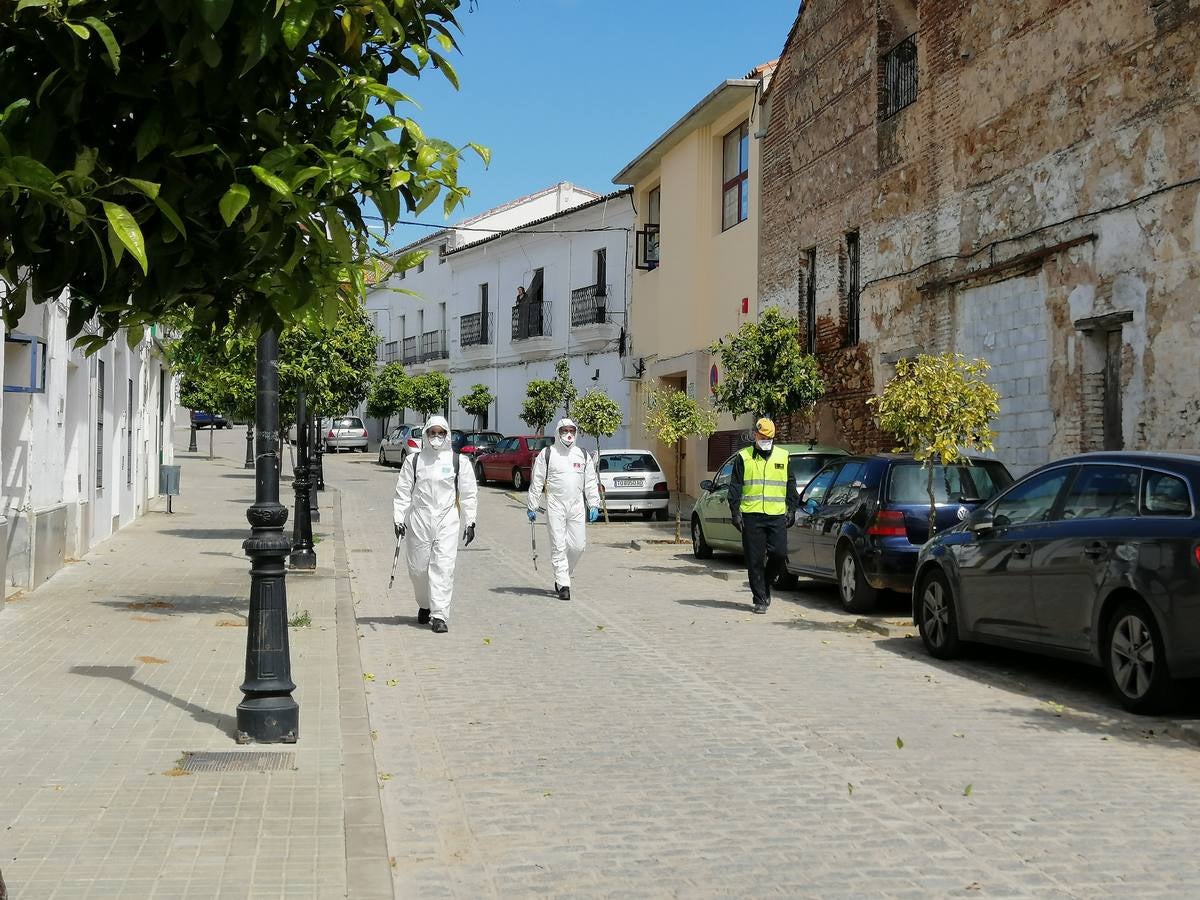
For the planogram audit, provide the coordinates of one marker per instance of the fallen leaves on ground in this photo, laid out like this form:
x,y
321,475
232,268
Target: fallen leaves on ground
x,y
150,660
899,744
487,640
369,676
967,790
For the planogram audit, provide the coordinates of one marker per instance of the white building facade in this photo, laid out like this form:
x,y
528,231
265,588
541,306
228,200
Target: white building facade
x,y
571,252
81,441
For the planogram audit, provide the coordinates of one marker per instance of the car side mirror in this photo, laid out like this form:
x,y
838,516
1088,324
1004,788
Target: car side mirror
x,y
706,484
810,506
984,520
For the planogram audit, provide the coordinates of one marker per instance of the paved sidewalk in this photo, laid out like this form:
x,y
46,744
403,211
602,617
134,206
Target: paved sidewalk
x,y
131,657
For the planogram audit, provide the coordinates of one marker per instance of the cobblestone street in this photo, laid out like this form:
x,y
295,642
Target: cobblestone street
x,y
651,737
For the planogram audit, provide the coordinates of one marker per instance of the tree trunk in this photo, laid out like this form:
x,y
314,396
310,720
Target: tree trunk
x,y
211,428
603,496
932,502
678,489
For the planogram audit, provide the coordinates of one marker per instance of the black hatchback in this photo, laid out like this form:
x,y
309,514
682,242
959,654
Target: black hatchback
x,y
1094,557
862,519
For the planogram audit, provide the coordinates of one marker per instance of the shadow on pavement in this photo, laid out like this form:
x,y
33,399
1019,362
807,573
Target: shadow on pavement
x,y
523,591
719,604
170,605
410,621
223,723
247,474
813,625
675,570
214,534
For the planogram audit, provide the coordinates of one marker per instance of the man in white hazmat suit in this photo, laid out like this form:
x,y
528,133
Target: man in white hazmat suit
x,y
434,493
568,476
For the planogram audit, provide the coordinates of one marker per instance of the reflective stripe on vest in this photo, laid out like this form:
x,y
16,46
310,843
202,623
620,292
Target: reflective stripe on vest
x,y
764,482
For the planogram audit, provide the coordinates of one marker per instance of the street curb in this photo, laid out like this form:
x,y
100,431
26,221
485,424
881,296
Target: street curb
x,y
368,869
1188,732
645,544
886,629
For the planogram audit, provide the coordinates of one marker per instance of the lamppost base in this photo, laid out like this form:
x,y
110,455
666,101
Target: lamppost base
x,y
303,559
268,720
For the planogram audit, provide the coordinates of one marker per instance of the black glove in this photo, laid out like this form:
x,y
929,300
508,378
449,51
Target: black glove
x,y
469,534
737,521
399,531
790,520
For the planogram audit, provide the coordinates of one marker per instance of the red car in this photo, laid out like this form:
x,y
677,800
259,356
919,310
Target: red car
x,y
511,460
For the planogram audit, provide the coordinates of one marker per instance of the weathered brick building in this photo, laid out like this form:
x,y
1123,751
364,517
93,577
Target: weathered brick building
x,y
1013,180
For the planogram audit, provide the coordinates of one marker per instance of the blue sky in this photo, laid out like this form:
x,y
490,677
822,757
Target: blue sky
x,y
571,90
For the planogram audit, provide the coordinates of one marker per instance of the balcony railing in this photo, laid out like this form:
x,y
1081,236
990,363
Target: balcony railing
x,y
433,346
589,305
391,351
530,320
475,330
410,351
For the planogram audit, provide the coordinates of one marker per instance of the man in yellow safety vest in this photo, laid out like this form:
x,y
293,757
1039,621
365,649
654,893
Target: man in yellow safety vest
x,y
762,501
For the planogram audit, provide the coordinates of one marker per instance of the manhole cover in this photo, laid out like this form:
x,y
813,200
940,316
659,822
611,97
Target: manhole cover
x,y
237,761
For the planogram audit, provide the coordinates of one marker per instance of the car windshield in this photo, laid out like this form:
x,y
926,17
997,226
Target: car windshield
x,y
347,423
540,443
909,483
628,462
477,439
803,468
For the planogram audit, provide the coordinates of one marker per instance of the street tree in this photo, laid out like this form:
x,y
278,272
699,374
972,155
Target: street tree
x,y
477,403
389,394
764,371
429,393
673,417
567,392
938,408
542,399
214,373
598,415
210,156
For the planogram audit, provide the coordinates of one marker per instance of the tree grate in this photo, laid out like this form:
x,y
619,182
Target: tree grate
x,y
237,761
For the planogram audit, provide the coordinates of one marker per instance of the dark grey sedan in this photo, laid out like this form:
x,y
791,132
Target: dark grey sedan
x,y
1094,557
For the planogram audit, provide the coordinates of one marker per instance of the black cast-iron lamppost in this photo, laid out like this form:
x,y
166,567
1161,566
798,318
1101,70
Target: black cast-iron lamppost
x,y
249,464
267,714
192,448
303,556
314,510
319,448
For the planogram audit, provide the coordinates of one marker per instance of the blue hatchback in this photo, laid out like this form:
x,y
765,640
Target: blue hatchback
x,y
862,519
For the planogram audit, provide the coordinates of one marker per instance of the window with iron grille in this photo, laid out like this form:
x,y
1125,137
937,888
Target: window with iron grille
x,y
810,300
852,288
99,425
898,75
129,437
735,192
648,250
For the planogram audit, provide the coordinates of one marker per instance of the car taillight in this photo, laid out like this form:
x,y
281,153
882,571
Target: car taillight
x,y
1196,554
414,444
331,433
888,523
364,432
468,449
661,488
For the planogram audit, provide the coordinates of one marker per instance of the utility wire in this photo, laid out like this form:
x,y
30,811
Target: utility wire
x,y
516,230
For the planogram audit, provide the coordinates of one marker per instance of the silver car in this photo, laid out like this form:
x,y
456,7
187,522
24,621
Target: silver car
x,y
400,441
345,433
632,481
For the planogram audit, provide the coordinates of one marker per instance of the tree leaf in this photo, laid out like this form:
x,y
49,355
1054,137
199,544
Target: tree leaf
x,y
234,202
171,216
215,12
340,237
81,31
27,4
193,151
149,188
124,227
30,172
274,182
968,790
484,153
296,19
109,40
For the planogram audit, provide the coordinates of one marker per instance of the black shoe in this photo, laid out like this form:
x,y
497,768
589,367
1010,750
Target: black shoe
x,y
422,617
760,608
438,626
564,593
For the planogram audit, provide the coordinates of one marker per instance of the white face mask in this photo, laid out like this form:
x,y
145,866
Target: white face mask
x,y
568,438
765,446
437,443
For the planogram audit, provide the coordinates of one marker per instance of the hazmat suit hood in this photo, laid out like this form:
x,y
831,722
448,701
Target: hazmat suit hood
x,y
434,422
558,438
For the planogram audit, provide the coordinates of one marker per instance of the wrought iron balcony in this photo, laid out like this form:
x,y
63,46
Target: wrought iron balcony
x,y
433,346
530,320
589,305
475,329
411,356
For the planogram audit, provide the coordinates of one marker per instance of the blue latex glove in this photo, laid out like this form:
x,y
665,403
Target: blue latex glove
x,y
593,514
532,515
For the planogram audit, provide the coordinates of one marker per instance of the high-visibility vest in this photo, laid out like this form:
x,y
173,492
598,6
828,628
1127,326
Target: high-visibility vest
x,y
764,485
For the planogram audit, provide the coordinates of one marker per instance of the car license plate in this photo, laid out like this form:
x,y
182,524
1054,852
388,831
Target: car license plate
x,y
627,482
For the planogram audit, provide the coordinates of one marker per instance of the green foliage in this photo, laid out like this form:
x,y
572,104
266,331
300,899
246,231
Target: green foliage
x,y
764,371
567,392
212,157
389,393
597,414
429,393
477,402
542,399
938,408
673,417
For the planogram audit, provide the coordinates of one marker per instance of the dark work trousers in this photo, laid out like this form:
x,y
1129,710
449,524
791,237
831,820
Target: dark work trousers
x,y
764,543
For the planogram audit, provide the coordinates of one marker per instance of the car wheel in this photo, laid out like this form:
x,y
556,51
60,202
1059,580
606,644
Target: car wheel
x,y
937,620
700,547
382,458
660,515
480,477
648,515
518,480
856,594
1135,660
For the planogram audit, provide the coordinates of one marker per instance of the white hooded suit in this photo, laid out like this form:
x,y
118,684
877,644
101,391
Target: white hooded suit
x,y
569,478
425,504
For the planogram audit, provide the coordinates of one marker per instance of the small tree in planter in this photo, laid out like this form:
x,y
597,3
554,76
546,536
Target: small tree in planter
x,y
673,417
477,403
542,399
938,408
428,393
567,392
764,371
597,414
389,394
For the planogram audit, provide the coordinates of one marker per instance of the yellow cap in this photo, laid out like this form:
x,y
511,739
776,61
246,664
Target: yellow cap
x,y
765,427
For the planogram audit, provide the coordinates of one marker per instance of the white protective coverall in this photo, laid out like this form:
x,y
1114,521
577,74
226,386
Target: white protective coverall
x,y
431,516
568,475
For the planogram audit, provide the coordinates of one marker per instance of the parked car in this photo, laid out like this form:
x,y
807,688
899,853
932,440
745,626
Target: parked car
x,y
203,419
511,460
712,526
474,443
322,427
862,519
395,446
346,433
632,481
1095,557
